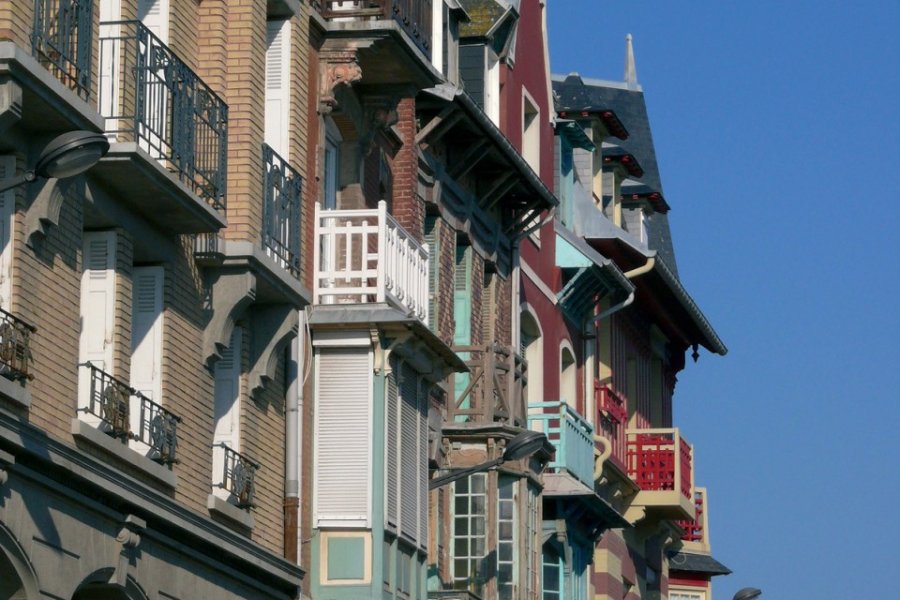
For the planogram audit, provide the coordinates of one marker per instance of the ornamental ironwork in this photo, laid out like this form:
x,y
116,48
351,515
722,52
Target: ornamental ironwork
x,y
62,40
15,347
282,189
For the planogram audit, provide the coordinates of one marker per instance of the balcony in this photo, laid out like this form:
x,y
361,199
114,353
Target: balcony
x,y
168,158
494,388
282,189
695,529
15,350
235,475
412,16
126,415
62,41
660,463
612,407
570,434
364,256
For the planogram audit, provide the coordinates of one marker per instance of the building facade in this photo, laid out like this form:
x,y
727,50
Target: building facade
x,y
336,250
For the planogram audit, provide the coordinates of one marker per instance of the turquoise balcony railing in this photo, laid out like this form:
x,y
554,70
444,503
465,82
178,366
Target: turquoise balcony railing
x,y
570,434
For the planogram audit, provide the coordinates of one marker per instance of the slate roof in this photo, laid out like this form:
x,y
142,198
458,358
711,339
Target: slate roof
x,y
573,93
696,563
483,16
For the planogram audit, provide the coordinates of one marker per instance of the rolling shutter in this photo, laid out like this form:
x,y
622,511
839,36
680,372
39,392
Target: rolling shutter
x,y
278,62
98,286
7,210
422,461
343,443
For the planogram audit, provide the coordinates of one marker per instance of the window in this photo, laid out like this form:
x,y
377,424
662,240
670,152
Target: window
x,y
278,77
567,374
531,132
469,532
552,564
686,595
532,348
506,537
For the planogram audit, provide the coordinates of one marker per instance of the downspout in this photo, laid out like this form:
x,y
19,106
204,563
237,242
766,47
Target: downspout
x,y
588,329
294,442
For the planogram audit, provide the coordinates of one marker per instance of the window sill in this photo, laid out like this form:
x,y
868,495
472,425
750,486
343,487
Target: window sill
x,y
96,438
222,508
15,392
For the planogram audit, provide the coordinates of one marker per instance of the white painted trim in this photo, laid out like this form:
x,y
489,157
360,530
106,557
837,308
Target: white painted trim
x,y
541,286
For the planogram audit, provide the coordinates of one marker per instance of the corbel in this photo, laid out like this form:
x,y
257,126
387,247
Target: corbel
x,y
231,294
43,212
273,327
128,539
10,104
383,355
635,514
338,67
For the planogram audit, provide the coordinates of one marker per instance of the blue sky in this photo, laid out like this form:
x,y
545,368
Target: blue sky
x,y
776,130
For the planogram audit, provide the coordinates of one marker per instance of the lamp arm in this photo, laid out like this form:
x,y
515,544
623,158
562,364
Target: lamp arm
x,y
455,475
11,182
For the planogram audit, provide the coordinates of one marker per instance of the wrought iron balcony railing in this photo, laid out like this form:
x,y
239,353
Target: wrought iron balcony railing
x,y
148,95
364,256
282,189
126,414
15,347
570,434
413,16
612,419
62,40
235,474
492,390
660,460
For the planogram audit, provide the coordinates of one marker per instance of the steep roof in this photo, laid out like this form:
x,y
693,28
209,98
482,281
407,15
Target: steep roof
x,y
483,16
573,94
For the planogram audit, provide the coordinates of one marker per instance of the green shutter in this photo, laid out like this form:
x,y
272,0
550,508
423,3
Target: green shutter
x,y
432,238
462,315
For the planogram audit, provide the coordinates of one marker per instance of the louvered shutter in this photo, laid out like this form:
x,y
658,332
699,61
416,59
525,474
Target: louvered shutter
x,y
411,454
343,437
154,14
462,315
98,287
432,239
146,343
278,63
422,461
227,406
488,307
392,443
7,210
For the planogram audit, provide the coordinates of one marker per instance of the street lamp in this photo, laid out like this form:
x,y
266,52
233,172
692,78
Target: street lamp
x,y
747,593
523,445
68,155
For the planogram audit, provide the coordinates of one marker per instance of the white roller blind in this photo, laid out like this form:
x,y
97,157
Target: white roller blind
x,y
278,62
412,453
98,287
343,462
392,443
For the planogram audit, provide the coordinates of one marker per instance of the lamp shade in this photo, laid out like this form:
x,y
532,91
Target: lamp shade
x,y
71,154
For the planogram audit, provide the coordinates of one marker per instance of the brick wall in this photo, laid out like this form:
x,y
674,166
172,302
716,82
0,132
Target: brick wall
x,y
408,208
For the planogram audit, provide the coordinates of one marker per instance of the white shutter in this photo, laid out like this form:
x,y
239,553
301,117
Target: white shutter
x,y
278,74
227,406
154,14
410,453
146,331
343,447
7,210
146,344
98,288
392,442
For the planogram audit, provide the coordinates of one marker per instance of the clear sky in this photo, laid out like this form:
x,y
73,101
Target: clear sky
x,y
776,131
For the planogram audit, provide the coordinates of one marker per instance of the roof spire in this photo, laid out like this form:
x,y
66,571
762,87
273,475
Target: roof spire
x,y
630,70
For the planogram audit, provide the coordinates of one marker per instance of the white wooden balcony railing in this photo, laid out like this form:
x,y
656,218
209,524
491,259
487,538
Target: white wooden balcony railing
x,y
365,256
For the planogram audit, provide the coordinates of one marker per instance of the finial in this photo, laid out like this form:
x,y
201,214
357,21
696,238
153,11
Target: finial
x,y
630,70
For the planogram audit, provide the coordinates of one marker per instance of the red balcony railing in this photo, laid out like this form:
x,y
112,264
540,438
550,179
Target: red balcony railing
x,y
413,16
660,460
694,530
612,418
